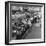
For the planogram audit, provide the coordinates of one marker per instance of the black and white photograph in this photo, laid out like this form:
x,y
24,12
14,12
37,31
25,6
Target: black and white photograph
x,y
24,22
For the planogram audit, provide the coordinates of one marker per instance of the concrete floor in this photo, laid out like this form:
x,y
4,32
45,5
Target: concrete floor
x,y
35,33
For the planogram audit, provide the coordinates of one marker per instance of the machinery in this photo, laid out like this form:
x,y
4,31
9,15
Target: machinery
x,y
23,20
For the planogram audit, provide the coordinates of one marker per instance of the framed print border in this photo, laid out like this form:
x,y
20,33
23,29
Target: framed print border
x,y
7,13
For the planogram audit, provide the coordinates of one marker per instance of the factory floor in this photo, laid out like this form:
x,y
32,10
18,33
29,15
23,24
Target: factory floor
x,y
35,33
